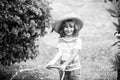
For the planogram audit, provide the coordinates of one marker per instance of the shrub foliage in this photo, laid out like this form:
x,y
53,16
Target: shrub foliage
x,y
21,22
115,12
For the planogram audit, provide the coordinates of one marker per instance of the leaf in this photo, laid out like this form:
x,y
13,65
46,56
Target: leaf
x,y
112,12
116,25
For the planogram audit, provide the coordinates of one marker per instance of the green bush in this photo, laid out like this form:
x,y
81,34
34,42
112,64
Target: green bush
x,y
115,12
21,22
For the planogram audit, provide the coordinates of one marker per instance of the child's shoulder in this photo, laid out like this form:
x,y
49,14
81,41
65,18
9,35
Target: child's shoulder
x,y
60,40
78,39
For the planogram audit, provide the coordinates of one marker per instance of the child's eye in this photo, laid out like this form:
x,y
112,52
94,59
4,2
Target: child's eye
x,y
71,26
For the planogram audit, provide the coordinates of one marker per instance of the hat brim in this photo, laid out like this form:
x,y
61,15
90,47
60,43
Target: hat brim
x,y
58,23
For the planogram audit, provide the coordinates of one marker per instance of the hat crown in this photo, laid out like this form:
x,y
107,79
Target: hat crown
x,y
71,16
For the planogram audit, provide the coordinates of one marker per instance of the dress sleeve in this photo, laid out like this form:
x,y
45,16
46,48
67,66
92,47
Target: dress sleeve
x,y
58,46
78,44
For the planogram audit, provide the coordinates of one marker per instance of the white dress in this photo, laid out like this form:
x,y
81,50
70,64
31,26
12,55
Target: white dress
x,y
65,48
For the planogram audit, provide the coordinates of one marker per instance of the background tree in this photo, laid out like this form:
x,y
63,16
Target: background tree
x,y
21,22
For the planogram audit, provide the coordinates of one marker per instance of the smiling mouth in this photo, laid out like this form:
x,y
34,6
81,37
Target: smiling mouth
x,y
69,32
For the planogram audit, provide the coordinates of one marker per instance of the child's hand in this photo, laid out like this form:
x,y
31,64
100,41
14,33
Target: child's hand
x,y
62,67
48,66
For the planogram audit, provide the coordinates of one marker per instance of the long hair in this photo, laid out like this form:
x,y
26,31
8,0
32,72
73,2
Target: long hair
x,y
67,23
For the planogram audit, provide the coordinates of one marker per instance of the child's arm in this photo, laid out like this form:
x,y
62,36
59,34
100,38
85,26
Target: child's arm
x,y
70,59
56,58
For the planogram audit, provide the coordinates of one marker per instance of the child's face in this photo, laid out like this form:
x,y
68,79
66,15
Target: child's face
x,y
69,29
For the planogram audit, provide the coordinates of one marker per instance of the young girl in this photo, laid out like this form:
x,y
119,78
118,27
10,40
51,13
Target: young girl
x,y
69,47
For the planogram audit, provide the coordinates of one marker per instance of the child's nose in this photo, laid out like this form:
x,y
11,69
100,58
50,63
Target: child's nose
x,y
69,28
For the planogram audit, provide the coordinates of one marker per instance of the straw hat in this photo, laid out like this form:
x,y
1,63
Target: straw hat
x,y
73,17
